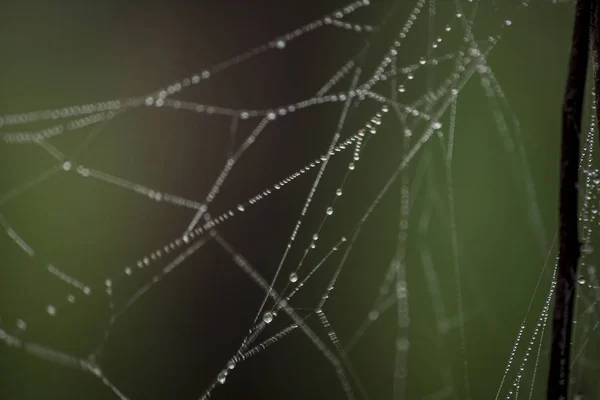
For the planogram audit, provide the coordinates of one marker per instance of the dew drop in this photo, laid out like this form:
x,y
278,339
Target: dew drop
x,y
422,61
351,166
293,277
401,89
338,192
316,236
582,280
436,125
402,344
231,364
329,211
240,207
280,44
51,310
66,165
508,22
71,298
268,317
222,377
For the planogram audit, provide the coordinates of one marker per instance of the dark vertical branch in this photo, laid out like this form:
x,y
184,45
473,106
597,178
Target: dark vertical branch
x,y
558,378
596,54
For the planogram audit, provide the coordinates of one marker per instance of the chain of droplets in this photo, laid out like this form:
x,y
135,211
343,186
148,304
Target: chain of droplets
x,y
293,277
175,87
48,133
540,327
375,121
279,111
278,43
60,113
588,173
334,339
592,181
312,336
158,196
233,159
433,127
51,309
268,316
379,73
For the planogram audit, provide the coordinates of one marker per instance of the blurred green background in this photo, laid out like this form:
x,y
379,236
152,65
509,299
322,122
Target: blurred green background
x,y
176,338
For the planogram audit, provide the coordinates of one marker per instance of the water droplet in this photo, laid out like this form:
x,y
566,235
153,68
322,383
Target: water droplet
x,y
312,245
351,166
280,44
338,192
268,317
51,310
240,207
66,165
402,344
22,325
582,280
231,364
329,211
422,61
508,22
71,299
401,89
222,377
293,277
373,315
316,236
436,125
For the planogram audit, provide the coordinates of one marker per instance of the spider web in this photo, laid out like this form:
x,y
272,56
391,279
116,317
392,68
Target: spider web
x,y
319,216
